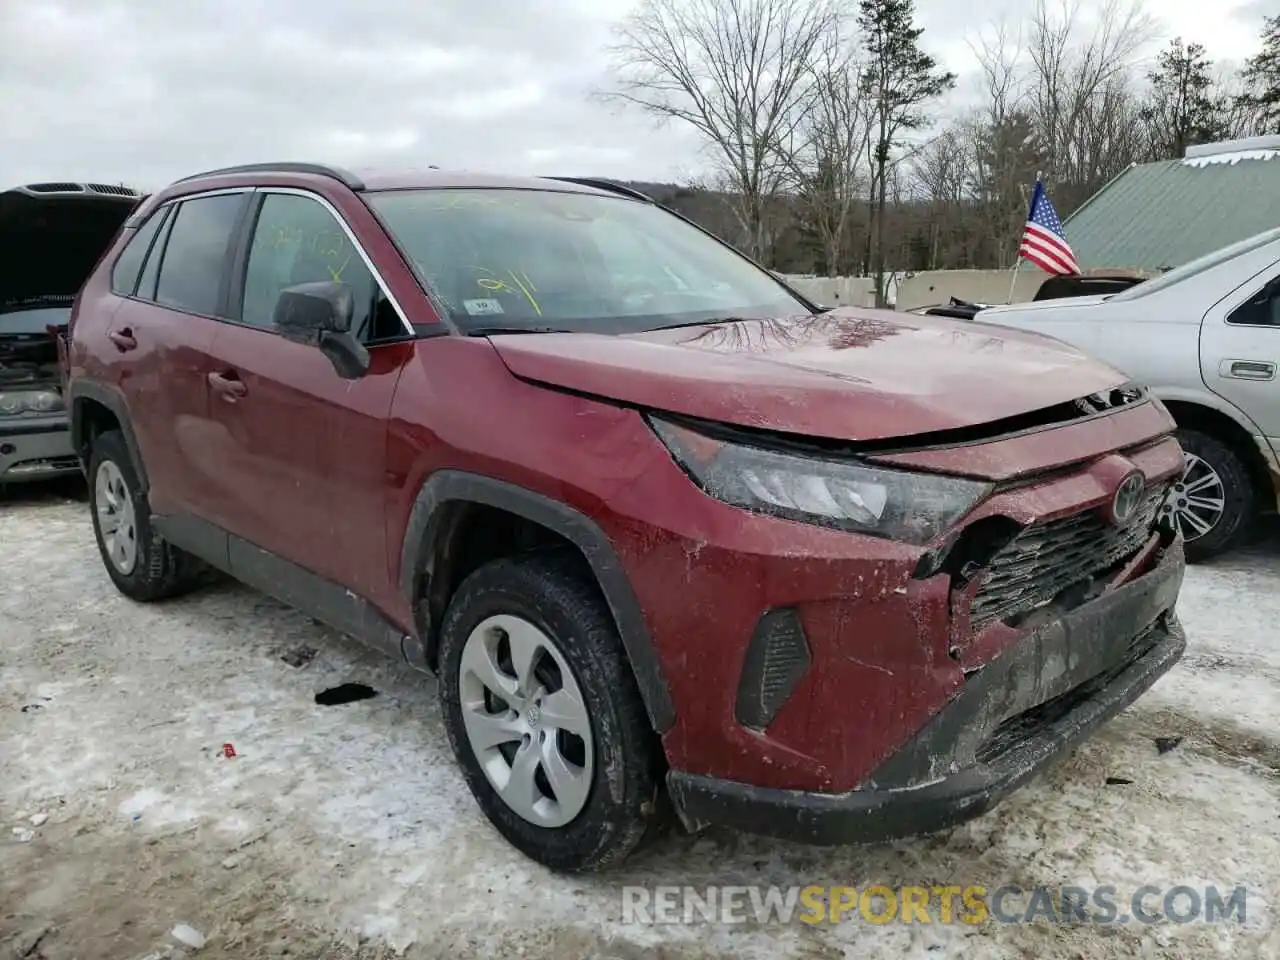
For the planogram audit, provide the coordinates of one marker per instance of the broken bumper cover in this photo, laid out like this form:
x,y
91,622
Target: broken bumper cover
x,y
1022,712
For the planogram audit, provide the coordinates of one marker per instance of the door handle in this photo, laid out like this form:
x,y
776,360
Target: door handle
x,y
1247,369
123,339
228,386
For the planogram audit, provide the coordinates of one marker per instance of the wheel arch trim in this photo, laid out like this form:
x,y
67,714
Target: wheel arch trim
x,y
113,400
422,544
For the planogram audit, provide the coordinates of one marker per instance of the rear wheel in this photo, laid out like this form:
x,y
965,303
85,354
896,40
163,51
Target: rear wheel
x,y
1214,497
139,561
543,713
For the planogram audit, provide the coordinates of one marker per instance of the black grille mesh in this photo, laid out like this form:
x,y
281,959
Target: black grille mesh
x,y
1047,558
113,189
777,659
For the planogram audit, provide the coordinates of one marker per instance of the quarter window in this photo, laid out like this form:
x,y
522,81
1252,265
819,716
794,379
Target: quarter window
x,y
1260,310
196,254
150,272
124,275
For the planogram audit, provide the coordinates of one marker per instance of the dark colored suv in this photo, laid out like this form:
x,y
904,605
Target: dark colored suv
x,y
665,531
52,236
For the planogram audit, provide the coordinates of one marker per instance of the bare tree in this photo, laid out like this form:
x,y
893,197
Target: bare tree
x,y
826,164
736,71
1235,112
941,169
1080,97
999,56
942,173
1006,148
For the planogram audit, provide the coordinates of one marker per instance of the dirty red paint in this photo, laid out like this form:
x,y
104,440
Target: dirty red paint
x,y
325,473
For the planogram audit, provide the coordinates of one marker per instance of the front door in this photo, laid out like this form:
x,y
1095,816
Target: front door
x,y
301,451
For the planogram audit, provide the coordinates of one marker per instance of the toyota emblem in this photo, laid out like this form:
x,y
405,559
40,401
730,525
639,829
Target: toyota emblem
x,y
1128,497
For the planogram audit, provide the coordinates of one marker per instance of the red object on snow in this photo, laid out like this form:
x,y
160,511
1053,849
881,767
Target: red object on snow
x,y
228,751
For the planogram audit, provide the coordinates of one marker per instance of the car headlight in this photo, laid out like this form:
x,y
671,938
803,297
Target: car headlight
x,y
34,401
895,504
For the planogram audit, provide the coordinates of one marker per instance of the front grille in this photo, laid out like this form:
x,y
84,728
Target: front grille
x,y
1047,558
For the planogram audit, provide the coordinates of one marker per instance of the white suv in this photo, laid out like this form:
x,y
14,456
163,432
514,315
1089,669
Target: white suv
x,y
1206,339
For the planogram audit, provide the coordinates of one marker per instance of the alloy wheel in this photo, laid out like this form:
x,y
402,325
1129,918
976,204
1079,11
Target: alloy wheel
x,y
1199,498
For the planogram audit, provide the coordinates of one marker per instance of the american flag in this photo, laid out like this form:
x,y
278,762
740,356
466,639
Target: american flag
x,y
1043,241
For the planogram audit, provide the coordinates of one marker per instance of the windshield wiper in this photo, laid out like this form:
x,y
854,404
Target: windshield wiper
x,y
709,321
492,331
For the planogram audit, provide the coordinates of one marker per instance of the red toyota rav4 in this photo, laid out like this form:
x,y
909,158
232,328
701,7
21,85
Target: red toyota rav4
x,y
655,520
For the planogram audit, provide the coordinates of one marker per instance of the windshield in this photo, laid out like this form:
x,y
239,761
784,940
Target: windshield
x,y
33,320
545,260
1193,267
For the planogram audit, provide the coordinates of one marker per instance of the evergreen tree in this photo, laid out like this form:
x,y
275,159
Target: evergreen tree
x,y
1181,110
1262,79
899,80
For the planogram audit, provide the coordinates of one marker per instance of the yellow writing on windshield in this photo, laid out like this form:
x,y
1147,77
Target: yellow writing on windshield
x,y
495,284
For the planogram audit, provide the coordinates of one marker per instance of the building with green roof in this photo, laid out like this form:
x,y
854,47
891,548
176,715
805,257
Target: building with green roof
x,y
1155,216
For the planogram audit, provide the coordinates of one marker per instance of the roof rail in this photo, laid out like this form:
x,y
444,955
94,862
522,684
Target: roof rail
x,y
319,169
610,185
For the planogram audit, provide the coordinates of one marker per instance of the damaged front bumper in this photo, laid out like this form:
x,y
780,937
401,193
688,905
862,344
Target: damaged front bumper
x,y
1012,718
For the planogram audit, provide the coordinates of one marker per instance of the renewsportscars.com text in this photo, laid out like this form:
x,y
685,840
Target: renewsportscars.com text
x,y
973,904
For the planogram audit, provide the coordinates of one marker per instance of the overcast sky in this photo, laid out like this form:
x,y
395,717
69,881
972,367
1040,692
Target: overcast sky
x,y
144,91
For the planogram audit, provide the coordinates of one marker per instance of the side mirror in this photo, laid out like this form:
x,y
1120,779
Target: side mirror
x,y
305,311
319,315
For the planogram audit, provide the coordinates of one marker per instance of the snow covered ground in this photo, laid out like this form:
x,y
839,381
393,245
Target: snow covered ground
x,y
346,831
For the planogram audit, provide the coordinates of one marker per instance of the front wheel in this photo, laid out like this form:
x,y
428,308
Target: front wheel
x,y
543,713
1214,497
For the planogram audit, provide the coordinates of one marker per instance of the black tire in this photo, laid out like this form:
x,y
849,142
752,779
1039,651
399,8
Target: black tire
x,y
551,591
161,569
1239,495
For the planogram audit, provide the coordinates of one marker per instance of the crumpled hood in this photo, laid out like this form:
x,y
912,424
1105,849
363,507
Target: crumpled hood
x,y
849,374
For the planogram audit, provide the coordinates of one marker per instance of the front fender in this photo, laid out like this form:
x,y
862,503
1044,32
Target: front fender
x,y
422,537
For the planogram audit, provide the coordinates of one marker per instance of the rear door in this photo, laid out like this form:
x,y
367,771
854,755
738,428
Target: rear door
x,y
301,452
164,332
1240,349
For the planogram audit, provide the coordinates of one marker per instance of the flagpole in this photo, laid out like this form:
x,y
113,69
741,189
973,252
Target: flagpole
x,y
1017,258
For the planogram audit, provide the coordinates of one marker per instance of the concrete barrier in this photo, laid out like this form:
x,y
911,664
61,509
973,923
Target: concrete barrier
x,y
906,292
976,286
836,291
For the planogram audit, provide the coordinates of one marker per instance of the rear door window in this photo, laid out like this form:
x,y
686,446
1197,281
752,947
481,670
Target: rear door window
x,y
196,254
151,272
124,276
